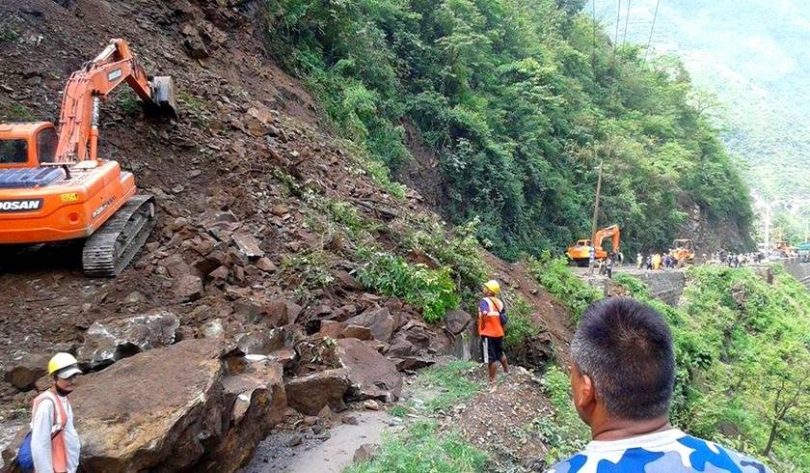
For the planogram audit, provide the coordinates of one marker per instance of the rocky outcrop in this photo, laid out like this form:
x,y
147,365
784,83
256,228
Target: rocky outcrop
x,y
108,341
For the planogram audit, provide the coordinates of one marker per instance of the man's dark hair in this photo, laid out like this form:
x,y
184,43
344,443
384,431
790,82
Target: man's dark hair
x,y
625,347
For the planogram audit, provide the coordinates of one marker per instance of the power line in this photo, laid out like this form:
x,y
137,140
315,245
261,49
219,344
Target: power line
x,y
652,28
618,21
626,21
593,45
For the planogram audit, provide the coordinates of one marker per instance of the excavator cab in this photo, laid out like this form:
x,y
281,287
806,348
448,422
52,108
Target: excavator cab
x,y
27,145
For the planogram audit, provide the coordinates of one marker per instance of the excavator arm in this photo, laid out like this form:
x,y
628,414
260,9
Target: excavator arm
x,y
613,232
78,121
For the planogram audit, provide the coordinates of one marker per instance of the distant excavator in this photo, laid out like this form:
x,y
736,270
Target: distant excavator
x,y
579,252
54,187
682,251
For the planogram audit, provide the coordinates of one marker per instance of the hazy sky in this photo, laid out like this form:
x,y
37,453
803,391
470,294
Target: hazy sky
x,y
755,55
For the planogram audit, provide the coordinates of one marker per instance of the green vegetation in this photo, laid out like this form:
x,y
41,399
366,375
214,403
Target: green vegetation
x,y
520,327
422,448
19,112
565,433
743,355
555,275
453,382
457,249
431,289
519,107
753,56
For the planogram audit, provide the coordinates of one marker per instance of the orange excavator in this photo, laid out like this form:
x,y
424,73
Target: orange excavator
x,y
54,187
579,252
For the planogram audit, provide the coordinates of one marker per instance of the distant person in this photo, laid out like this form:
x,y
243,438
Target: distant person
x,y
591,259
622,377
639,260
609,266
55,444
656,261
491,330
648,262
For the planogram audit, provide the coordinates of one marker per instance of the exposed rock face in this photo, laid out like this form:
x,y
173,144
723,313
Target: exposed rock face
x,y
261,342
108,341
309,394
371,374
259,401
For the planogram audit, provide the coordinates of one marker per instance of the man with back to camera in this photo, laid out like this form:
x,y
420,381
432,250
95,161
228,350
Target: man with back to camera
x,y
622,378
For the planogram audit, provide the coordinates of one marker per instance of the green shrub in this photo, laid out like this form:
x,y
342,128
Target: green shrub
x,y
423,448
565,434
457,249
521,326
432,290
554,274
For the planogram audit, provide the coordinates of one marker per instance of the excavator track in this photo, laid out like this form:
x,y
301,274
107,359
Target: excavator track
x,y
111,248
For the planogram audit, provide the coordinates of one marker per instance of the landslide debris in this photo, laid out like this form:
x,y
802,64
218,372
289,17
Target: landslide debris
x,y
246,253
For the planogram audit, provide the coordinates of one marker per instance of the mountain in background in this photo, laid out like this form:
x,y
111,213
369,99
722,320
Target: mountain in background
x,y
752,55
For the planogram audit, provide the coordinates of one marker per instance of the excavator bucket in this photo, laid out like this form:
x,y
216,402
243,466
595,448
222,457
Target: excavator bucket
x,y
163,96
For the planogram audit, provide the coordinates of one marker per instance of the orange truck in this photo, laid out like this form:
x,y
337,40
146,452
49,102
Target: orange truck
x,y
53,185
579,252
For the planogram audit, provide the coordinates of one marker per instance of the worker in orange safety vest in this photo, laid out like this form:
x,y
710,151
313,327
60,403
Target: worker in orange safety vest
x,y
55,445
491,330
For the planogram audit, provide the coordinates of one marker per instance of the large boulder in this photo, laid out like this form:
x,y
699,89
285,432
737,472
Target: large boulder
x,y
379,320
107,341
372,375
309,394
261,342
456,321
24,369
258,401
159,411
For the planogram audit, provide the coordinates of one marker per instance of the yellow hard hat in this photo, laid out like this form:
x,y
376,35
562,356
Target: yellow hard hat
x,y
61,361
493,286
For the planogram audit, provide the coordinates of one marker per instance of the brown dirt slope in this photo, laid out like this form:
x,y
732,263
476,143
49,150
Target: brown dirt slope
x,y
248,154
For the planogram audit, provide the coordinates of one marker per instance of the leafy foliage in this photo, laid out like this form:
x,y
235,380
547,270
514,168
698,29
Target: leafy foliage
x,y
519,107
565,434
431,289
555,275
520,327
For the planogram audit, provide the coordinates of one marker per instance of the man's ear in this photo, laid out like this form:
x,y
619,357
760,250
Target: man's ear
x,y
583,390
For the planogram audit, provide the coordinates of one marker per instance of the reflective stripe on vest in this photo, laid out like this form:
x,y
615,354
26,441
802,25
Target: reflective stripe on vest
x,y
58,448
494,309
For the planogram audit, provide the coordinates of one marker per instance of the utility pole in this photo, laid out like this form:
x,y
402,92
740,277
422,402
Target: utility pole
x,y
596,203
768,227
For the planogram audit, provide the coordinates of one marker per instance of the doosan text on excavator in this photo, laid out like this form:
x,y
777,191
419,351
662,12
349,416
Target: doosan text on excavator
x,y
53,185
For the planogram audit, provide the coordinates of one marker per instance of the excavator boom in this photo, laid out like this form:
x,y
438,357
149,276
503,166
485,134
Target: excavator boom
x,y
78,119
